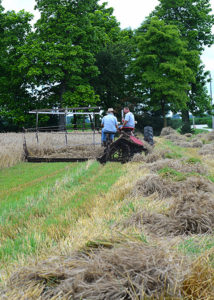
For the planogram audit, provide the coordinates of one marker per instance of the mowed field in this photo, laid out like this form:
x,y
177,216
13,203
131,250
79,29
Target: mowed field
x,y
142,230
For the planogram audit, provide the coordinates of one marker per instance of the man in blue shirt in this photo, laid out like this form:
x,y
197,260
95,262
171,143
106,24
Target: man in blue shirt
x,y
129,121
109,124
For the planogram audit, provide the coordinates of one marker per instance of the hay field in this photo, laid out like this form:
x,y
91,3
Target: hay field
x,y
50,144
148,236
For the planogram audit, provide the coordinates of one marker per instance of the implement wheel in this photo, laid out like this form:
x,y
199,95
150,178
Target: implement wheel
x,y
119,153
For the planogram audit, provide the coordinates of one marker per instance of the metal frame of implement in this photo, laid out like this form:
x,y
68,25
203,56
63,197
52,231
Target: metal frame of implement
x,y
65,112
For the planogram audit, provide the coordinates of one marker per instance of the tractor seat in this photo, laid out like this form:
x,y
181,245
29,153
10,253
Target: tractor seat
x,y
128,128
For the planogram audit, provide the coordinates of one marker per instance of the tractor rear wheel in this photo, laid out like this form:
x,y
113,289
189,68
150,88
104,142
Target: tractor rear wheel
x,y
148,135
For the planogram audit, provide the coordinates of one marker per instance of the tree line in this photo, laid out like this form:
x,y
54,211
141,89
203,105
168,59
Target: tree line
x,y
77,55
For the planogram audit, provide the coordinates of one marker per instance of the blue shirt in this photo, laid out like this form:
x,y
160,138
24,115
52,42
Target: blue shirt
x,y
129,117
110,123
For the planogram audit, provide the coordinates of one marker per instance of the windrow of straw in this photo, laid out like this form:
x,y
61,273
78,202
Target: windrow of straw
x,y
185,140
167,131
207,149
165,188
125,271
179,165
192,213
153,156
199,283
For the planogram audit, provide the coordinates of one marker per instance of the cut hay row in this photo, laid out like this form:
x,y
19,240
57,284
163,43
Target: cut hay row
x,y
204,141
50,144
192,196
190,214
183,166
126,271
164,188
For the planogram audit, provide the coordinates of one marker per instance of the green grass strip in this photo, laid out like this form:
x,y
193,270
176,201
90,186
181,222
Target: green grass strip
x,y
34,225
26,180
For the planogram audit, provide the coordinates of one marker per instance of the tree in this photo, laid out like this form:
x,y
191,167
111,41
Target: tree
x,y
195,21
199,93
15,98
161,66
60,55
112,62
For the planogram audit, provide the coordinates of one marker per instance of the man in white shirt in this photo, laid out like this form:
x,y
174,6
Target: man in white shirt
x,y
109,124
129,121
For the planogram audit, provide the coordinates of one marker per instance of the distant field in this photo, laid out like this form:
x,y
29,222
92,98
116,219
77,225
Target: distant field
x,y
11,145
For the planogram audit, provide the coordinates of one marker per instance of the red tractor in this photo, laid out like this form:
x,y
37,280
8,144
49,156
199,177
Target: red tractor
x,y
126,146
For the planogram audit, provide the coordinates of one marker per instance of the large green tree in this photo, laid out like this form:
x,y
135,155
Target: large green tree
x,y
195,21
161,66
60,56
15,98
112,62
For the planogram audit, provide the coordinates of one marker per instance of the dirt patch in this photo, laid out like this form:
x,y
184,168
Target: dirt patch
x,y
126,271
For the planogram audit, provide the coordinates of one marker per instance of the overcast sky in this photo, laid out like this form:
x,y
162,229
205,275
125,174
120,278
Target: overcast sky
x,y
130,13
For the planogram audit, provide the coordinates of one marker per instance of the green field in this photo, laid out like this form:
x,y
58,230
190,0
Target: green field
x,y
37,197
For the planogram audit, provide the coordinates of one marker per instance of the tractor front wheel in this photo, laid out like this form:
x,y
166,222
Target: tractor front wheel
x,y
119,153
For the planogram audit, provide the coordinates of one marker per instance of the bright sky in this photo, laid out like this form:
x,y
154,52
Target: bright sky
x,y
130,13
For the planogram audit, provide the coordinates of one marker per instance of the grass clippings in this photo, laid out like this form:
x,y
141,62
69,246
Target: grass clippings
x,y
127,271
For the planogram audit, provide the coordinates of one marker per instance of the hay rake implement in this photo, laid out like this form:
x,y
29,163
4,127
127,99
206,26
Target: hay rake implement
x,y
121,150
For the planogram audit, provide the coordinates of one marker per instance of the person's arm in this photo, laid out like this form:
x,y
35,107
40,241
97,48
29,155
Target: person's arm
x,y
126,120
116,123
102,123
